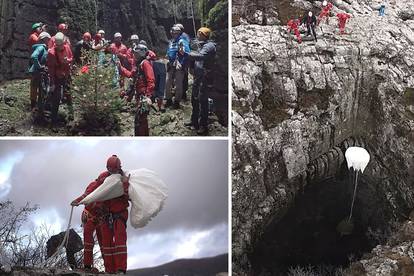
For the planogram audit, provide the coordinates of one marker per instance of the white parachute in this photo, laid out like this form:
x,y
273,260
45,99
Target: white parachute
x,y
147,193
357,158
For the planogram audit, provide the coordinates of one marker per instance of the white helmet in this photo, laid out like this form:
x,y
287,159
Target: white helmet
x,y
134,37
310,13
59,38
116,35
141,50
325,3
101,32
179,25
44,35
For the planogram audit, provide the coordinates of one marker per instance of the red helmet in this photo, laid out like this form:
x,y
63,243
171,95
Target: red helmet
x,y
62,27
113,163
87,36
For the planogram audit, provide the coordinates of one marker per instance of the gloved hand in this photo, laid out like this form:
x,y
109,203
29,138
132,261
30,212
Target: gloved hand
x,y
74,203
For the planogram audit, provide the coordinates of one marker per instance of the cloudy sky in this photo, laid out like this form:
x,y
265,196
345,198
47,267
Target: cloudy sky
x,y
193,223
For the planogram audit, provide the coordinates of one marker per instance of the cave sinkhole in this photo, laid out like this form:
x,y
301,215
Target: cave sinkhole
x,y
307,234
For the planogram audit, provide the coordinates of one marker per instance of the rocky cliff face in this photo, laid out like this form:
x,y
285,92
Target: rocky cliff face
x,y
297,107
150,19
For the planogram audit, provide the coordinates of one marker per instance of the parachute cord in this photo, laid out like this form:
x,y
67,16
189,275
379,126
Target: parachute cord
x,y
192,15
64,241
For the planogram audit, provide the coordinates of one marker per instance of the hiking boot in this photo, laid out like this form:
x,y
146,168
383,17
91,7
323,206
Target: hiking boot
x,y
176,105
168,103
203,131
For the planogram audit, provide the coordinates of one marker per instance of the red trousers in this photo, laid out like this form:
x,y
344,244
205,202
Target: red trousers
x,y
297,33
114,240
342,26
89,227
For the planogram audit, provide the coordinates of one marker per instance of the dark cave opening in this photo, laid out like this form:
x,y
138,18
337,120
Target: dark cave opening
x,y
307,234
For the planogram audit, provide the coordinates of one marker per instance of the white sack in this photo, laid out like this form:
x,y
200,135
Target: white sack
x,y
357,158
146,191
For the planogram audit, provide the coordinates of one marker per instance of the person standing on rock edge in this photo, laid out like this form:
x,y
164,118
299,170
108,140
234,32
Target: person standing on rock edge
x,y
203,81
59,64
177,54
310,21
325,12
342,18
143,85
113,229
93,216
119,50
293,25
382,10
38,63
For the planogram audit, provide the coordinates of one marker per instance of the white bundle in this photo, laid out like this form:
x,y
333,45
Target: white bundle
x,y
147,193
357,158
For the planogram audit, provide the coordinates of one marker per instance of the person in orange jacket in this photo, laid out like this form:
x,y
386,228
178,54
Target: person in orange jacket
x,y
142,87
342,18
113,228
59,64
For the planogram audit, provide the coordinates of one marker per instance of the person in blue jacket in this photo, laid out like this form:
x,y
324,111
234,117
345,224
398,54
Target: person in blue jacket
x,y
203,70
185,36
38,63
177,53
382,10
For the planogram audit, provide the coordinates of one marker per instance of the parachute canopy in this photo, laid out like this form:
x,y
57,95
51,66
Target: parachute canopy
x,y
147,193
357,158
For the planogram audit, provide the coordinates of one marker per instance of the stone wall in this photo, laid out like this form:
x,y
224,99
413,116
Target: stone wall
x,y
150,19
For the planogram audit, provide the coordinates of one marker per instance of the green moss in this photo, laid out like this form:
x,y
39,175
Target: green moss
x,y
80,18
409,96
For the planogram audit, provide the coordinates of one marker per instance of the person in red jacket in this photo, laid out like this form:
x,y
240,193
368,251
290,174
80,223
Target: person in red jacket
x,y
325,12
142,87
342,18
293,25
118,49
113,229
59,63
93,216
130,52
34,36
62,28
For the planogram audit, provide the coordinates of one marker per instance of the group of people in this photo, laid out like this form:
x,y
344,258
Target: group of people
x,y
152,81
310,21
109,220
